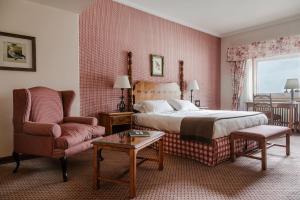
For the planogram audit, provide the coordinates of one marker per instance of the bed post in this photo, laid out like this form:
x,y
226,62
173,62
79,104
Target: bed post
x,y
181,81
129,71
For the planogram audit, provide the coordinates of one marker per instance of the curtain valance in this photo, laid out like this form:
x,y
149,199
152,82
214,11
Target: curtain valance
x,y
280,46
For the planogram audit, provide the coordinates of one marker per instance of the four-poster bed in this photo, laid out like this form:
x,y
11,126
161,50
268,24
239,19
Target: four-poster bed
x,y
211,154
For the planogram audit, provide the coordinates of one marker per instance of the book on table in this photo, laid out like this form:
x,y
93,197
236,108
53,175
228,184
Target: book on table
x,y
138,133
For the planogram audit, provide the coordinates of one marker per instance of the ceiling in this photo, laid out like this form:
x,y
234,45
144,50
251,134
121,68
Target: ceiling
x,y
216,17
75,6
221,17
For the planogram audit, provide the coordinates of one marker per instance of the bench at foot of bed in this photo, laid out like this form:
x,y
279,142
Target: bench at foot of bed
x,y
261,134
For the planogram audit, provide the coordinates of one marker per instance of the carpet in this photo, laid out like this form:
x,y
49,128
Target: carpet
x,y
181,178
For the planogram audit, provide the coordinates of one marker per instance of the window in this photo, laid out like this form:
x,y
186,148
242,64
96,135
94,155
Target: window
x,y
270,74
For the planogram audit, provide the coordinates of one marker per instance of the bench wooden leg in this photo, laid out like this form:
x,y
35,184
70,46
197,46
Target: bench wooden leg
x,y
287,144
232,154
263,145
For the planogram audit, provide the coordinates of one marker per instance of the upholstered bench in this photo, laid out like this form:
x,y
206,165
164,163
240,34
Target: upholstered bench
x,y
261,134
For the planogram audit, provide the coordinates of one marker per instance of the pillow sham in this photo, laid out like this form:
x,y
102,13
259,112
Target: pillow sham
x,y
182,105
153,106
139,107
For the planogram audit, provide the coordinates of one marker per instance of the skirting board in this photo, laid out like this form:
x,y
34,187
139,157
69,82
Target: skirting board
x,y
10,159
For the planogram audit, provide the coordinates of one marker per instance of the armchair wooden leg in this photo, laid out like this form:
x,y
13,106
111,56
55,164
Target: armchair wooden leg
x,y
100,155
16,157
63,161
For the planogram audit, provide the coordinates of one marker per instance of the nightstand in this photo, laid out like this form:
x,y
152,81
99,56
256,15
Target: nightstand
x,y
115,121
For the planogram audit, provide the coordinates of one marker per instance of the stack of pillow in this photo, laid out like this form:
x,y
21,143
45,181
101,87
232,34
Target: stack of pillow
x,y
160,106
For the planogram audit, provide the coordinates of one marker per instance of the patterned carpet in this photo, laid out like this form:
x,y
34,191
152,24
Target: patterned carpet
x,y
181,179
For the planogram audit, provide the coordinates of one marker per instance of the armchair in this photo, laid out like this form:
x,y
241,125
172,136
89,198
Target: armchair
x,y
43,126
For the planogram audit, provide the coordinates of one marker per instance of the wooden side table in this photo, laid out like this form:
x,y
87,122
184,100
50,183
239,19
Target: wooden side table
x,y
110,119
130,145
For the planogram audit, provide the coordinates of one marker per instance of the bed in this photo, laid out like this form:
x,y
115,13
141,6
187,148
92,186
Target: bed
x,y
210,154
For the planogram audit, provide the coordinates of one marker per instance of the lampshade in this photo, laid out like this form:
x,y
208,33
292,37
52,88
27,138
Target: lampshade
x,y
122,82
193,85
291,84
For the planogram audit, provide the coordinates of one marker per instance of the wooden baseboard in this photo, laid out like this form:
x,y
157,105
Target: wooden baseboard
x,y
10,159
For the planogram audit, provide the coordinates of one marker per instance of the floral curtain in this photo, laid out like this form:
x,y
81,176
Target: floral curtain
x,y
238,74
237,56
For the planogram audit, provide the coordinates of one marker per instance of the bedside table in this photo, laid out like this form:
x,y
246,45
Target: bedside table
x,y
111,120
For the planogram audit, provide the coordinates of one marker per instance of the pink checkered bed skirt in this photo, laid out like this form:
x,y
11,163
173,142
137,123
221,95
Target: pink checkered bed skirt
x,y
209,154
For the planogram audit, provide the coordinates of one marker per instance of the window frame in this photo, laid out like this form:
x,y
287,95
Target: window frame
x,y
277,96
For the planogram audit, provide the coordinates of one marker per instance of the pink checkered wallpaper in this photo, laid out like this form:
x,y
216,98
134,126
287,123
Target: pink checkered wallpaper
x,y
109,30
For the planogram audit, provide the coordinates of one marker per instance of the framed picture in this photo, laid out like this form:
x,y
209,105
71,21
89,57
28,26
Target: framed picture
x,y
17,52
157,65
197,103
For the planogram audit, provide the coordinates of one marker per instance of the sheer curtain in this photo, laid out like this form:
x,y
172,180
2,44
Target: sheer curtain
x,y
247,93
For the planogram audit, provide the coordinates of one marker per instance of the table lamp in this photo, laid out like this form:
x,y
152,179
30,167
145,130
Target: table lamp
x,y
193,85
292,84
122,83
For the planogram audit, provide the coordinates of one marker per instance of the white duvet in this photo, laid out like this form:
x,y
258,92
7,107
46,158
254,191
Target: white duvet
x,y
171,121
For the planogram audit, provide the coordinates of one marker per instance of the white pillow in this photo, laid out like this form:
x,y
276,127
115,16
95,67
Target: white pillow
x,y
139,107
182,105
156,106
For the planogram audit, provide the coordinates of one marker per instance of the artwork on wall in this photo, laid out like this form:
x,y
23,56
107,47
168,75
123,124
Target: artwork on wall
x,y
157,65
17,52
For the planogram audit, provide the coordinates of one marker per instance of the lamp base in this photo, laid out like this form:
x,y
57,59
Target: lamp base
x,y
121,106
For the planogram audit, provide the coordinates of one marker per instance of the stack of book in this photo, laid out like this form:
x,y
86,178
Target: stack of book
x,y
138,133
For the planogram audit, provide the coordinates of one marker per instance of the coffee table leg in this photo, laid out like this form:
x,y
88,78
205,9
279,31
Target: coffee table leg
x,y
96,168
161,155
100,155
132,172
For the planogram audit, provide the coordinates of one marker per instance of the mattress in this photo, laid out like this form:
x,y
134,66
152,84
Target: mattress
x,y
171,121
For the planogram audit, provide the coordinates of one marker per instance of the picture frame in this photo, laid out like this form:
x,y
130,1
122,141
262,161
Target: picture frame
x,y
197,103
157,65
17,52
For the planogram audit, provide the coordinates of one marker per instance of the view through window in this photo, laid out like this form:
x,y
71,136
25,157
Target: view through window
x,y
271,74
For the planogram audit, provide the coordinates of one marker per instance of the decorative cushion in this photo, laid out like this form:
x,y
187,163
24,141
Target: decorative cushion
x,y
74,133
182,105
156,106
138,107
46,105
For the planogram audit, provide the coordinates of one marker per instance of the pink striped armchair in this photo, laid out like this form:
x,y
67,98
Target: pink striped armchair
x,y
43,126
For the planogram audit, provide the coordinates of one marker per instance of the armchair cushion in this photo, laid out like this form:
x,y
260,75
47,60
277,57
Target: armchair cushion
x,y
42,129
75,133
46,105
82,120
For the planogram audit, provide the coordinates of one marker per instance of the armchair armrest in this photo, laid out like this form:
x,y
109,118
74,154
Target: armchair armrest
x,y
42,129
82,120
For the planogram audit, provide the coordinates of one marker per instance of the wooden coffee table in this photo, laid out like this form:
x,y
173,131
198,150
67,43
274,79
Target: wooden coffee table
x,y
131,145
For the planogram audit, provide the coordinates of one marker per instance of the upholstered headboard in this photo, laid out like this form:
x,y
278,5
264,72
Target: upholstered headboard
x,y
145,90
